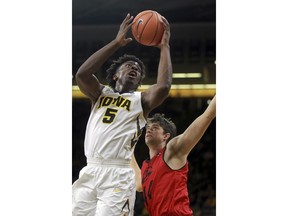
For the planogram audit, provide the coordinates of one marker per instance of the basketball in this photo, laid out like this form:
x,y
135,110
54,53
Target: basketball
x,y
147,28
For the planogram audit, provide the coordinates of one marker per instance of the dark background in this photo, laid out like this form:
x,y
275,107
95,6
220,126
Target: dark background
x,y
193,49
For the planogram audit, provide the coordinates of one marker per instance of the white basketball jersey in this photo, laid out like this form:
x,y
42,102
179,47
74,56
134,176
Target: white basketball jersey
x,y
114,126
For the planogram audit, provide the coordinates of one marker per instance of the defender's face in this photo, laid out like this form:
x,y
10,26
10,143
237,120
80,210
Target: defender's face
x,y
154,134
129,72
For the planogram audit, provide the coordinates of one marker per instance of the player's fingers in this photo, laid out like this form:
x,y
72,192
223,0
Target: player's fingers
x,y
164,20
128,22
128,18
128,40
125,19
129,25
165,23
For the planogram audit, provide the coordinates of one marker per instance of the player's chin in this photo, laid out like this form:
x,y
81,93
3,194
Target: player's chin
x,y
132,79
148,138
132,82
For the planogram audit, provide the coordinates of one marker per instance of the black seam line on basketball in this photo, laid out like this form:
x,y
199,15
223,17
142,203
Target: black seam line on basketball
x,y
137,27
156,28
146,24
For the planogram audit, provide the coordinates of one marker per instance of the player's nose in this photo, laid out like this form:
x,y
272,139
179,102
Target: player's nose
x,y
134,67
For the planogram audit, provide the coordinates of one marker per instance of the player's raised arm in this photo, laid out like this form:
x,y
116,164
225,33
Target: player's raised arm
x,y
85,76
157,93
181,145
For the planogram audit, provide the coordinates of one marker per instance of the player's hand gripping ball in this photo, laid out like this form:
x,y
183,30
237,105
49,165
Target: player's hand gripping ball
x,y
147,28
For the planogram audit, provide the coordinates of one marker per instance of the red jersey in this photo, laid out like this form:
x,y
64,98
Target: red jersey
x,y
164,189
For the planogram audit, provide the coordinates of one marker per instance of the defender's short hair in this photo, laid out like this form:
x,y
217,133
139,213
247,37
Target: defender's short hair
x,y
166,123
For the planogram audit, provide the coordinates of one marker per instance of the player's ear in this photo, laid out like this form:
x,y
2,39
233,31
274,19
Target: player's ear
x,y
167,136
115,77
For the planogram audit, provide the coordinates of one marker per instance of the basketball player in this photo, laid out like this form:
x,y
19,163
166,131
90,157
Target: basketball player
x,y
106,186
165,173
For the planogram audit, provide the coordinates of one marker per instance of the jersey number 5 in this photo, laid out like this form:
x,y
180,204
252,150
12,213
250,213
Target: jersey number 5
x,y
109,115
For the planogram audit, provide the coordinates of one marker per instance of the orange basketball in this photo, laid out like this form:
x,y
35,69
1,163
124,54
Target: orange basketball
x,y
147,28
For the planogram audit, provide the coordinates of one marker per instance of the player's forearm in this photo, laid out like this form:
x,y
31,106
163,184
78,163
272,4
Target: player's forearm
x,y
198,127
164,76
193,134
95,61
157,93
210,112
196,130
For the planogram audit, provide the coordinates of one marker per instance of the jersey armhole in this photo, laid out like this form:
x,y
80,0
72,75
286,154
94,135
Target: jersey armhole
x,y
164,149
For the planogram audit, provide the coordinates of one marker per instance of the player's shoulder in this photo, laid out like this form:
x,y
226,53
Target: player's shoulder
x,y
171,148
108,89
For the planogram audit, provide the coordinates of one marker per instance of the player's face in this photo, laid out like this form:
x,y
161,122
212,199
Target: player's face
x,y
155,134
129,73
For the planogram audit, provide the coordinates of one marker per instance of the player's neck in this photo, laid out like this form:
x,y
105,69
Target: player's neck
x,y
154,150
124,88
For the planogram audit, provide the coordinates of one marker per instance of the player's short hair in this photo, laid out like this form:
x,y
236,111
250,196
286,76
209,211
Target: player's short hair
x,y
166,123
117,63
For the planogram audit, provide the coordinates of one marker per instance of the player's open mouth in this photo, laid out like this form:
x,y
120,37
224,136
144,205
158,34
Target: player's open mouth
x,y
132,74
148,135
